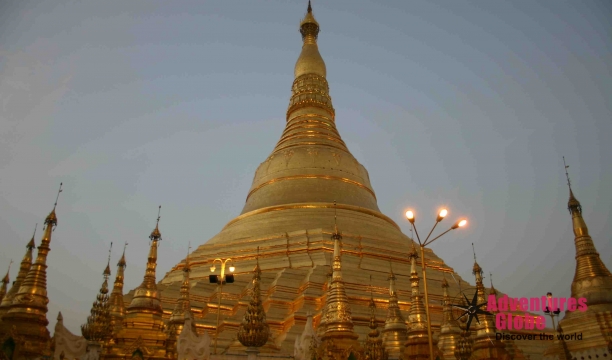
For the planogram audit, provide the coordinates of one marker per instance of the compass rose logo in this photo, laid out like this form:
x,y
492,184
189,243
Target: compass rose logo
x,y
471,310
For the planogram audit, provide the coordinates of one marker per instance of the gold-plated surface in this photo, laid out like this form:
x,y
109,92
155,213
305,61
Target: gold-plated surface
x,y
254,331
26,319
289,221
395,330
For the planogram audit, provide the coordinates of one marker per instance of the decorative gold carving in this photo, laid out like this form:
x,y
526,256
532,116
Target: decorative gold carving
x,y
254,331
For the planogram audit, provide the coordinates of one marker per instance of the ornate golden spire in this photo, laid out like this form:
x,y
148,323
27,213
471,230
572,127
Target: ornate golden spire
x,y
589,267
116,306
254,331
5,281
374,349
146,296
418,316
339,317
339,336
98,327
26,263
394,332
417,345
28,311
183,305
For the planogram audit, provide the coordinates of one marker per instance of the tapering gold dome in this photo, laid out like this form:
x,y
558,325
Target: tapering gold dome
x,y
289,214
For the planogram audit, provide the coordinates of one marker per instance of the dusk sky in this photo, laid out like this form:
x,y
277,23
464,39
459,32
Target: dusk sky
x,y
464,104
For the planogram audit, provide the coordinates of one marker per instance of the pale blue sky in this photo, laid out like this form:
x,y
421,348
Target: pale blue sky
x,y
469,104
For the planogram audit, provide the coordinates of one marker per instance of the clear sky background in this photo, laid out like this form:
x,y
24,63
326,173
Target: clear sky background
x,y
468,104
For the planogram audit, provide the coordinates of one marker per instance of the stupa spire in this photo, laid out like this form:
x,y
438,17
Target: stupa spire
x,y
418,316
116,305
5,282
588,263
339,335
254,331
394,332
183,305
311,163
98,327
24,268
28,311
146,296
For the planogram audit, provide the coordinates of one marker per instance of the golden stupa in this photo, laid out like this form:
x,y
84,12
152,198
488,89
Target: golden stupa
x,y
289,216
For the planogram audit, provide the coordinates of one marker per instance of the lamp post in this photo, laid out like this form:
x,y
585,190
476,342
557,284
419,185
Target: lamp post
x,y
549,310
441,215
220,280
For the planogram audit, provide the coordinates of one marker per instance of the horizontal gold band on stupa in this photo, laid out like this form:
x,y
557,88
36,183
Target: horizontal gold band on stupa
x,y
311,117
300,177
309,143
314,206
292,137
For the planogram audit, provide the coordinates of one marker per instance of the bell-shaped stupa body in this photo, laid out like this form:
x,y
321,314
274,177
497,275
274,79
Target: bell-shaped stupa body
x,y
289,214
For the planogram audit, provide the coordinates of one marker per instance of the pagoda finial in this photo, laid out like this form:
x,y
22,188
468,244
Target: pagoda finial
x,y
51,219
569,184
107,271
5,282
122,260
309,7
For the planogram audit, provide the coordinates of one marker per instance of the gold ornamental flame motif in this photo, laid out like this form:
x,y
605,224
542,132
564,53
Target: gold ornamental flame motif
x,y
254,331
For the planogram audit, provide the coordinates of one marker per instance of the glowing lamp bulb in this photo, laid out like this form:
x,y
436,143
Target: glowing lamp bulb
x,y
410,215
462,223
212,269
232,269
443,213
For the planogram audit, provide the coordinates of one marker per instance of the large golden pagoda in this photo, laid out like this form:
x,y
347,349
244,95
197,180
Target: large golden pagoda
x,y
287,215
592,281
